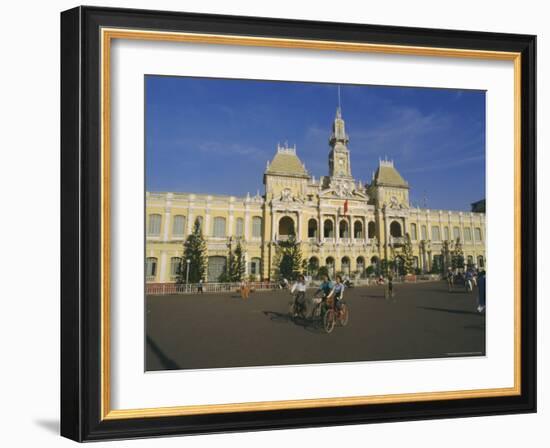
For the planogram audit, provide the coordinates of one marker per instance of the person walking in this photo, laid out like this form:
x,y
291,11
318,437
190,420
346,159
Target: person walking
x,y
199,287
245,290
390,287
450,279
468,280
481,279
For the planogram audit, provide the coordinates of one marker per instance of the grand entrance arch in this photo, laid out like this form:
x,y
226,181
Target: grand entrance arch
x,y
361,265
346,265
286,227
395,229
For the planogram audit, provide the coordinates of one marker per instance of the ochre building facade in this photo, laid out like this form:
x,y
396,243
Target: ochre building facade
x,y
340,222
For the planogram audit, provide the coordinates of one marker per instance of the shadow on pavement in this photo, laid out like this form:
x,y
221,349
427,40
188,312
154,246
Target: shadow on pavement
x,y
306,324
166,362
447,310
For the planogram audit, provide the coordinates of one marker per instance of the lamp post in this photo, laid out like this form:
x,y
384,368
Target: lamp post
x,y
187,275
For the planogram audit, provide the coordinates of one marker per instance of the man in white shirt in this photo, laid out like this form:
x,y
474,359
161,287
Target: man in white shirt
x,y
299,291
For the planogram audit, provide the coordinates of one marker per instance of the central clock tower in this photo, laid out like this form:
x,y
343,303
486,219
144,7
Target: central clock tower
x,y
339,160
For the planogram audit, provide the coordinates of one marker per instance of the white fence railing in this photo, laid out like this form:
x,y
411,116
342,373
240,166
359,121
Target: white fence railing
x,y
193,288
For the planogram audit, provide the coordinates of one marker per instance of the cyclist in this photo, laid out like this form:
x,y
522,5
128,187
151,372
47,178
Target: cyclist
x,y
325,287
337,293
299,291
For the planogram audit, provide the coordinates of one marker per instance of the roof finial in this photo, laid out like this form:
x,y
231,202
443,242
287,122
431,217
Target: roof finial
x,y
339,110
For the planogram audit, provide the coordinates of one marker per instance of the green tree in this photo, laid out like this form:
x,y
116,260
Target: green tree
x,y
289,262
446,254
384,266
312,267
407,255
457,257
235,266
194,250
239,264
323,270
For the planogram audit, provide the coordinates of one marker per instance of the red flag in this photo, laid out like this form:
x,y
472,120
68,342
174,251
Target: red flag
x,y
345,207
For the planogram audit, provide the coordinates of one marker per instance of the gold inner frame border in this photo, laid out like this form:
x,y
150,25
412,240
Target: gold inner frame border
x,y
107,35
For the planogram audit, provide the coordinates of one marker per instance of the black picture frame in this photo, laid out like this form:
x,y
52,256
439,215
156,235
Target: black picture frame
x,y
81,224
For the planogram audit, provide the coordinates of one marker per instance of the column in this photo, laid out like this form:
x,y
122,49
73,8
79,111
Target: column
x,y
206,229
190,217
337,228
162,270
320,228
299,226
386,234
246,223
231,218
167,211
272,224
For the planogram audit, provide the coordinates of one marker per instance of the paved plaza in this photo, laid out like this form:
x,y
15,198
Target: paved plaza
x,y
218,330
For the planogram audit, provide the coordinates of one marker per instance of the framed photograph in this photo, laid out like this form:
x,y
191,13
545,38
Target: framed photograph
x,y
273,223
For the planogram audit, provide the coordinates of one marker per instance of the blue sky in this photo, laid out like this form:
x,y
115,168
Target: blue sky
x,y
215,135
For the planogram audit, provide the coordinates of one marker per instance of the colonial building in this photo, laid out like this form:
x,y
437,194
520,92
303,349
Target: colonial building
x,y
340,222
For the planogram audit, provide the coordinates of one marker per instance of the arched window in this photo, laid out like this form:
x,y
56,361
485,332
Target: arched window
x,y
358,229
436,235
328,229
446,233
456,233
219,227
423,233
216,267
414,232
175,266
312,228
374,262
469,261
345,265
360,265
256,227
153,225
467,234
372,229
313,265
480,262
477,234
178,228
395,229
286,226
255,265
344,229
150,268
239,227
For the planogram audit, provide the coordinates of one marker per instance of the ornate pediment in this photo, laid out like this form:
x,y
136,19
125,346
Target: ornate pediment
x,y
395,205
332,193
286,197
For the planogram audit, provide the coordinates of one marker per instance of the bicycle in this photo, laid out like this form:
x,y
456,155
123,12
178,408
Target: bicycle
x,y
330,314
298,307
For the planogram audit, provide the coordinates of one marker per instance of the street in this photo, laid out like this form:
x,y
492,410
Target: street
x,y
218,330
